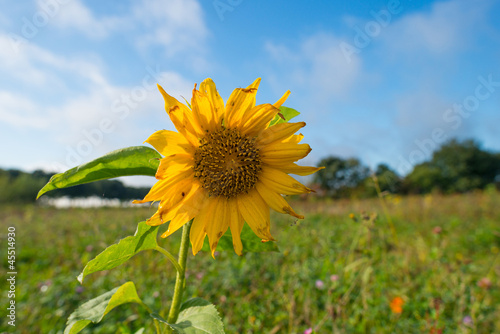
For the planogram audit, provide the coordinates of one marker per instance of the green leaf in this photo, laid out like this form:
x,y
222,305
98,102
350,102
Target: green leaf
x,y
251,242
285,115
95,309
197,316
136,160
117,254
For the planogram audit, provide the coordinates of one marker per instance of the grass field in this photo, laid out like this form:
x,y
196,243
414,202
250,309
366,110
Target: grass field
x,y
336,272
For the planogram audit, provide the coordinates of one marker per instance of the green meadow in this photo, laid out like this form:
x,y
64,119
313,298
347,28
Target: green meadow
x,y
338,270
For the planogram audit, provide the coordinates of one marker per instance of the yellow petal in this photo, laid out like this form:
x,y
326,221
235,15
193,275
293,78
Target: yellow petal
x,y
175,223
236,222
161,188
275,200
281,183
220,222
240,101
173,164
181,116
156,219
197,234
186,210
176,193
295,139
202,222
255,84
203,111
293,168
256,213
258,119
192,202
280,153
171,101
169,142
208,87
282,99
278,132
182,126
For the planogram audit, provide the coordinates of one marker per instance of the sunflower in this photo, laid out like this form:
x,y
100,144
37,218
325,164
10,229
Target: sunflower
x,y
225,166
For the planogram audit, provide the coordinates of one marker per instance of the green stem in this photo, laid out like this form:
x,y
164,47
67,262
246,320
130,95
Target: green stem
x,y
157,326
170,257
180,280
384,207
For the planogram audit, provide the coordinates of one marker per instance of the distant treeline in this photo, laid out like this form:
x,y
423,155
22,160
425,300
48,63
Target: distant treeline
x,y
21,187
456,167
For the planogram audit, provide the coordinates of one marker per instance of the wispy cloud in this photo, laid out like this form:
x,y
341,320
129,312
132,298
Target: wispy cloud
x,y
50,91
18,111
76,16
446,28
176,26
315,65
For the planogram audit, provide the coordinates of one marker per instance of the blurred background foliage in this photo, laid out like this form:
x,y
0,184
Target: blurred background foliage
x,y
20,187
456,167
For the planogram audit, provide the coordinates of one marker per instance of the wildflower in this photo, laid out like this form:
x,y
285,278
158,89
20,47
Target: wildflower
x,y
308,331
484,283
225,166
44,286
396,305
467,321
334,278
320,284
437,230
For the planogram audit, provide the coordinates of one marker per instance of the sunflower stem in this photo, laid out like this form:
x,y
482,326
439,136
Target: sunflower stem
x,y
180,280
170,257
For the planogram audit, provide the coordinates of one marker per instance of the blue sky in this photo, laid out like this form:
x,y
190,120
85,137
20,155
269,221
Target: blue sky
x,y
385,81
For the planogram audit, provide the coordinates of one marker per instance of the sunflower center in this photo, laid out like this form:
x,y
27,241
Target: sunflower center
x,y
227,163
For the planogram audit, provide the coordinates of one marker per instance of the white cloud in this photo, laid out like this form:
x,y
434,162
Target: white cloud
x,y
68,98
65,100
419,112
18,111
316,65
74,15
175,25
26,63
446,28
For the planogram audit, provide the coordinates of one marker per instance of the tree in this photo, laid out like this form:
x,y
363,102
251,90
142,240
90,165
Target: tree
x,y
424,178
387,179
21,187
456,167
340,176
